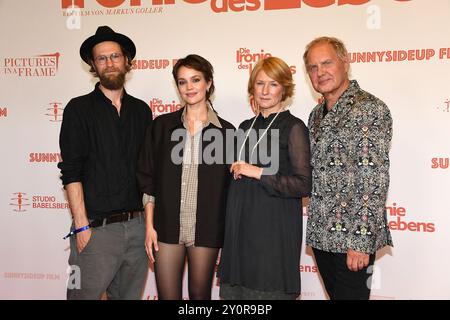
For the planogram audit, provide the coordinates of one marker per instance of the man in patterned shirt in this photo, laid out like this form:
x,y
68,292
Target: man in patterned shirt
x,y
350,134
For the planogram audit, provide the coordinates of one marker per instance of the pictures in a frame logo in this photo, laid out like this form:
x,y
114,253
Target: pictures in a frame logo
x,y
19,201
43,65
54,112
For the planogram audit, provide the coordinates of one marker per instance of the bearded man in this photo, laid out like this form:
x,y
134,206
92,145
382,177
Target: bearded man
x,y
100,138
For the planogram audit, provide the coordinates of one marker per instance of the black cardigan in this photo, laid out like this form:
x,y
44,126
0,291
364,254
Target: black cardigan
x,y
158,176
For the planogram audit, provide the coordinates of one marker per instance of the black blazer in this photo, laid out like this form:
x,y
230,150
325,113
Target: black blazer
x,y
159,176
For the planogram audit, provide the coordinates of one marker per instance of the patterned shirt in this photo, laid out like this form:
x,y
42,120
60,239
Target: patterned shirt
x,y
350,159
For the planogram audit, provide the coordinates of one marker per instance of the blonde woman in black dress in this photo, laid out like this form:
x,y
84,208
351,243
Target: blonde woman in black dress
x,y
263,230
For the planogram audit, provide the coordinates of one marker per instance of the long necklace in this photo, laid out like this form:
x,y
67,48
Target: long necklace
x,y
260,138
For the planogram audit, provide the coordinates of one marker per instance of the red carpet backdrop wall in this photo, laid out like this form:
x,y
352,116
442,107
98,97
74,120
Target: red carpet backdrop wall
x,y
400,52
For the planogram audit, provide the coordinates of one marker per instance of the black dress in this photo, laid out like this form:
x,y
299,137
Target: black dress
x,y
263,228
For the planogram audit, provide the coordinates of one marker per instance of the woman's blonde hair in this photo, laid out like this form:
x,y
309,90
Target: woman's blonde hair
x,y
276,69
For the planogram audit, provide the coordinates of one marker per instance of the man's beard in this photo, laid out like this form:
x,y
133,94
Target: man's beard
x,y
112,81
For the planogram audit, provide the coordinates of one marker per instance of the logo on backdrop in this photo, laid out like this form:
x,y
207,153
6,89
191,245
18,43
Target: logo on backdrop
x,y
44,65
444,107
133,7
444,53
3,112
152,64
159,107
44,157
308,268
400,224
31,276
19,202
439,163
76,8
54,112
399,55
246,59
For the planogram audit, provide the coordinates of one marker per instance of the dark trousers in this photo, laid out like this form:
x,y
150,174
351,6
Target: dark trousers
x,y
339,281
114,261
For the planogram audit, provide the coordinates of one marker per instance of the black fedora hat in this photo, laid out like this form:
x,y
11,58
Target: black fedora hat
x,y
105,33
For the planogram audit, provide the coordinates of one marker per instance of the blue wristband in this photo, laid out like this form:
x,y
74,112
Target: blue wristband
x,y
71,233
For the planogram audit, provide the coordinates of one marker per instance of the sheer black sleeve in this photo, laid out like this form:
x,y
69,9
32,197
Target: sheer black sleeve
x,y
298,183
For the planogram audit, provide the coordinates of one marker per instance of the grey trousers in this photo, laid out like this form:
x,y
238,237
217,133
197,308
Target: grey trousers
x,y
114,261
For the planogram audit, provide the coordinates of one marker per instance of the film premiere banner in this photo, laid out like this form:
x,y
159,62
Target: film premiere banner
x,y
399,51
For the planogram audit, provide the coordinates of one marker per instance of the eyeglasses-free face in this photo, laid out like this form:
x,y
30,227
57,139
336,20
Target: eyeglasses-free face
x,y
192,86
267,93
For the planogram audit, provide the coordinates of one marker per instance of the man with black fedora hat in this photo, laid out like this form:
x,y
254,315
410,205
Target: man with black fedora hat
x,y
100,138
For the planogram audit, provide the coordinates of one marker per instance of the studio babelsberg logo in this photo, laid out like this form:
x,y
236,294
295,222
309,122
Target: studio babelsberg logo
x,y
42,65
19,201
